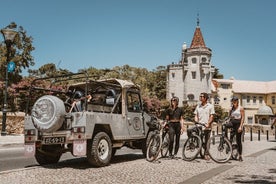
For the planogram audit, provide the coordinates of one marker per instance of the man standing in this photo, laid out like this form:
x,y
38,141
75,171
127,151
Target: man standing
x,y
204,113
175,118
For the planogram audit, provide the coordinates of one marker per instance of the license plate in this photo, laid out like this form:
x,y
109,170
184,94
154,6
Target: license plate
x,y
53,140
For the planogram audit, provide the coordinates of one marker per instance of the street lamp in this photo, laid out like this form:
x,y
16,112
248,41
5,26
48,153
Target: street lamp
x,y
9,36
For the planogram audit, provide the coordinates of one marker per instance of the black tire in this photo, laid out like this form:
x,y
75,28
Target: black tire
x,y
165,145
48,154
99,150
191,148
48,113
154,147
146,143
219,148
114,150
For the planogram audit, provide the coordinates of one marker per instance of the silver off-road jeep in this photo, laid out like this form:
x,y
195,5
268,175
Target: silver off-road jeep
x,y
87,118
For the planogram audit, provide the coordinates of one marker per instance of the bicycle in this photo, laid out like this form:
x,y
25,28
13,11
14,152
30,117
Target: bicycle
x,y
219,146
194,144
159,141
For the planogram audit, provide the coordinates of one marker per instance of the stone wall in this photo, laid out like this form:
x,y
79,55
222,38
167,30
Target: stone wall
x,y
14,123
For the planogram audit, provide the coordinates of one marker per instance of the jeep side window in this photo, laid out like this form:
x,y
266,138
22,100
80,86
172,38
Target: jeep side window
x,y
133,102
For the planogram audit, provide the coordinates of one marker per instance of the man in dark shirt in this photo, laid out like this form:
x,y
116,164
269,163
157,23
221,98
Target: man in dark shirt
x,y
175,118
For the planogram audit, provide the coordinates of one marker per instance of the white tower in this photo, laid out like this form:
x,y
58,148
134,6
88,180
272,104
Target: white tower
x,y
193,74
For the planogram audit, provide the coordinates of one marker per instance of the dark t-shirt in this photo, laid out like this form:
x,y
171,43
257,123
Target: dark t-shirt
x,y
175,114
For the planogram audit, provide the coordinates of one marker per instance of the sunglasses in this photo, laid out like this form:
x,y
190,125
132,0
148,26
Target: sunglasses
x,y
201,96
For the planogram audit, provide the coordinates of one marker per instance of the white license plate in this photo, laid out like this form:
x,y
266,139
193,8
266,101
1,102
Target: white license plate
x,y
53,140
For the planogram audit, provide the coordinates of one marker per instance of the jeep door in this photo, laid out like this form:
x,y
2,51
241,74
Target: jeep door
x,y
135,121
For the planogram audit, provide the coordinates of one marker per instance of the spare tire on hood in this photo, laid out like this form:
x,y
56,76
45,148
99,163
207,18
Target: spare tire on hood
x,y
48,113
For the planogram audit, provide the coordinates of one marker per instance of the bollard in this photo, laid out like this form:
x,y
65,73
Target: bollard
x,y
217,129
267,138
259,135
275,132
251,137
243,132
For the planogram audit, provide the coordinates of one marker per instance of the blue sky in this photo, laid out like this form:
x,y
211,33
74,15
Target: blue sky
x,y
77,34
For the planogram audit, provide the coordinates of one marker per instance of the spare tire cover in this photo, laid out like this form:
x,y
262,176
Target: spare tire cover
x,y
48,113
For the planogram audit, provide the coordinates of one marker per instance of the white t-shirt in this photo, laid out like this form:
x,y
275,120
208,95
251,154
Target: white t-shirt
x,y
203,112
236,114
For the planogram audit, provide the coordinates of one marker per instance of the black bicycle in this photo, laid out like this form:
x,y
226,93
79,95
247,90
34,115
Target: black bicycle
x,y
194,144
219,146
159,142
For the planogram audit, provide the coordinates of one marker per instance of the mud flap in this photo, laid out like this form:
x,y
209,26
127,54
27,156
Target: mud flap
x,y
29,149
79,147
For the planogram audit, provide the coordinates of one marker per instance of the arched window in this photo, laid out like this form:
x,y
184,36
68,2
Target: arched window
x,y
191,97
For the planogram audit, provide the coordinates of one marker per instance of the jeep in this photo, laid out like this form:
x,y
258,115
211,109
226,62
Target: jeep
x,y
91,118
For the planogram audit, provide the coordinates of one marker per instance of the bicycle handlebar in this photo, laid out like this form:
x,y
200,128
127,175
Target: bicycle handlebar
x,y
197,123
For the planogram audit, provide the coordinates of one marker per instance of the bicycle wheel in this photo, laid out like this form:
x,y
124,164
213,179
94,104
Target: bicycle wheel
x,y
219,148
191,148
154,147
165,145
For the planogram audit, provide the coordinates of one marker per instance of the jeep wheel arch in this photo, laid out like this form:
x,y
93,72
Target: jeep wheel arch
x,y
48,113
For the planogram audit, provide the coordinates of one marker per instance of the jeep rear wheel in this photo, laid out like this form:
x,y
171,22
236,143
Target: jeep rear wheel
x,y
48,154
48,113
99,150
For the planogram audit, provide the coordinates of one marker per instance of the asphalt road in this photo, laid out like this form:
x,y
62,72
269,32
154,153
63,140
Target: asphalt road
x,y
13,158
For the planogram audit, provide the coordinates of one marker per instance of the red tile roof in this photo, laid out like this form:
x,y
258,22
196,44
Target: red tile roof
x,y
198,40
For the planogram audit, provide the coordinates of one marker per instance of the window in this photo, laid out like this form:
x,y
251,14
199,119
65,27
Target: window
x,y
250,120
194,60
260,99
204,60
254,99
193,75
173,75
216,100
133,102
248,99
273,100
172,95
191,96
225,86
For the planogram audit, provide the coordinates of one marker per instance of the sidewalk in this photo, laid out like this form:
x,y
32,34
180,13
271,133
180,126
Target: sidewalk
x,y
18,140
11,141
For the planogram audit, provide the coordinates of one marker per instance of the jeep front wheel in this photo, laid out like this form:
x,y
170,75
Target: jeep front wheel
x,y
99,150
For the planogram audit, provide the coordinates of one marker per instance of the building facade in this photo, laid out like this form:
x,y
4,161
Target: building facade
x,y
257,98
193,74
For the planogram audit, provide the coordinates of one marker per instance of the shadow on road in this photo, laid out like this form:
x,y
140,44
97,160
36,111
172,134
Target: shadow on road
x,y
256,179
82,163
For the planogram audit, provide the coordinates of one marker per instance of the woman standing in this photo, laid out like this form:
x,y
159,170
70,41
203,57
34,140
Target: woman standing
x,y
174,116
237,120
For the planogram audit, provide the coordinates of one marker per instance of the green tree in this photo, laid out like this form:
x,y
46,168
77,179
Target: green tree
x,y
20,54
218,75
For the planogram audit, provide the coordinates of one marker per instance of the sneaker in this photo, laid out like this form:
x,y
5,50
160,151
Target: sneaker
x,y
207,157
171,156
240,158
